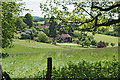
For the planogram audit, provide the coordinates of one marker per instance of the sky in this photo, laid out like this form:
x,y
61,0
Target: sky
x,y
33,5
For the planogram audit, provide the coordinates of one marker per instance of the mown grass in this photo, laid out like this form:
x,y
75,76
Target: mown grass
x,y
105,38
110,39
25,60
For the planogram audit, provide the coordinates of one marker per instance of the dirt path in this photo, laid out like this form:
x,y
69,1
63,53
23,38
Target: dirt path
x,y
67,44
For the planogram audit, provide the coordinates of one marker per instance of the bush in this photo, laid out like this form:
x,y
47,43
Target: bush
x,y
69,39
84,70
93,33
42,37
54,42
101,44
76,34
90,38
25,36
27,32
77,42
93,42
4,55
112,44
50,41
119,44
86,43
17,36
106,44
46,31
113,33
61,40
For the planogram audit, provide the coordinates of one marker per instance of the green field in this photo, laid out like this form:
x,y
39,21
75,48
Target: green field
x,y
26,58
106,38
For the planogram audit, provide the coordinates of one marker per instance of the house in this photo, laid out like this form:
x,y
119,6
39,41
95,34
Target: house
x,y
44,26
64,36
51,38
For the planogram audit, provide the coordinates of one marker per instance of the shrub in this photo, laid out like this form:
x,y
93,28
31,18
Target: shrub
x,y
86,43
4,55
46,31
93,42
106,44
77,42
27,32
42,37
85,70
90,38
69,39
17,36
76,34
101,44
25,36
50,41
54,42
119,44
82,43
61,40
93,33
112,44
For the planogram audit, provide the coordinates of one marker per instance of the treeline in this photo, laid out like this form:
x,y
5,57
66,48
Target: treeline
x,y
38,19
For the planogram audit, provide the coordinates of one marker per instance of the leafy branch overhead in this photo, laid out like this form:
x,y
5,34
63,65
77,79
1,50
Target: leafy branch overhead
x,y
87,15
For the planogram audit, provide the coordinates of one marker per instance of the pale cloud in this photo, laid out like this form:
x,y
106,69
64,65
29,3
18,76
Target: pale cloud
x,y
33,5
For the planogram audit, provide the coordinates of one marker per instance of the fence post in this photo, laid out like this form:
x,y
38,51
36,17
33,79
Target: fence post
x,y
6,76
0,73
49,68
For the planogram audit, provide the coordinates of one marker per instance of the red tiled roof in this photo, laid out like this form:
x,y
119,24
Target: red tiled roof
x,y
65,35
43,26
50,38
47,25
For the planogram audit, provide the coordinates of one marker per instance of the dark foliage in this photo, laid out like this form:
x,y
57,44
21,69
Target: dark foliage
x,y
101,45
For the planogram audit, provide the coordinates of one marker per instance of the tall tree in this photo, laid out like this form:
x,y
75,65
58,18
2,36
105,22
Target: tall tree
x,y
88,15
9,10
28,20
20,25
52,27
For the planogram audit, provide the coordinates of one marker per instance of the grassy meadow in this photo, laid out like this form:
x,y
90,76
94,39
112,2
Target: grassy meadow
x,y
105,38
26,59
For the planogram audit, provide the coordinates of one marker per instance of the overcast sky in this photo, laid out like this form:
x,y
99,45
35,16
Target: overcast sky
x,y
35,6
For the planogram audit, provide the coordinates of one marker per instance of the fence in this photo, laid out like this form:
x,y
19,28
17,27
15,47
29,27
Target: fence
x,y
5,76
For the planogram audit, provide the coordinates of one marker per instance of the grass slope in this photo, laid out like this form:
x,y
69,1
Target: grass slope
x,y
105,38
27,59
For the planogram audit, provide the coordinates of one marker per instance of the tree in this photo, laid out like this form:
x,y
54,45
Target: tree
x,y
52,28
88,15
46,21
8,13
42,37
112,44
37,19
46,31
28,20
93,42
20,25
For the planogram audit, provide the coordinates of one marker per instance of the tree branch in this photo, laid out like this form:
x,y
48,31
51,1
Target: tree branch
x,y
92,19
86,12
108,23
105,9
